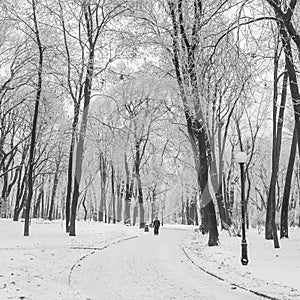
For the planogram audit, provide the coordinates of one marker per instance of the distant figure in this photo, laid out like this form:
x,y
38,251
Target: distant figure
x,y
156,225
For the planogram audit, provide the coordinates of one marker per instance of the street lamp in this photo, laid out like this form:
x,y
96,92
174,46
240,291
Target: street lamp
x,y
241,158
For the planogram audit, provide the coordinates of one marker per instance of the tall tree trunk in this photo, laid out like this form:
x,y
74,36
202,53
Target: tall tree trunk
x,y
288,32
18,198
192,211
103,176
275,155
196,212
220,194
206,198
271,231
20,184
54,189
135,214
8,179
153,203
109,212
34,123
186,76
294,90
37,209
76,97
284,229
139,183
21,196
70,165
216,178
47,206
183,211
128,191
80,145
142,208
113,196
188,211
84,206
120,192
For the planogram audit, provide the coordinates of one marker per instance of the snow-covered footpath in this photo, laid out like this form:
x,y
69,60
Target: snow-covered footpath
x,y
271,272
39,266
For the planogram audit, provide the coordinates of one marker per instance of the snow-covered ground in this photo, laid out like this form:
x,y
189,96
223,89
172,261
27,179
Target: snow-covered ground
x,y
273,272
51,265
38,267
149,267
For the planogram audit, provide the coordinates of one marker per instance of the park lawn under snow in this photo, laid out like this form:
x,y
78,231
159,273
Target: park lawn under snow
x,y
38,267
273,272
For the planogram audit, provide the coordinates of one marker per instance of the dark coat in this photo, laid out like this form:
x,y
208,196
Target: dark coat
x,y
156,223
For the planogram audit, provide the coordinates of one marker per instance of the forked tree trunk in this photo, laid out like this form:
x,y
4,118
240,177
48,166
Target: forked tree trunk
x,y
185,69
80,145
35,119
271,231
294,90
76,97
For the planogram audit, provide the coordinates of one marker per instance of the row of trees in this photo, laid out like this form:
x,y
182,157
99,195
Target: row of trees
x,y
128,109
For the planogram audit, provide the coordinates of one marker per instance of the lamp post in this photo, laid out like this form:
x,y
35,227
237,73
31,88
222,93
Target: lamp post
x,y
241,158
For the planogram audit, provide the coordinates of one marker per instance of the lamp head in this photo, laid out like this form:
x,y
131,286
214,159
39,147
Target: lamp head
x,y
241,157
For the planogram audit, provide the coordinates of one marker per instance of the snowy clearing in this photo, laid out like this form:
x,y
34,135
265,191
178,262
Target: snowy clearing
x,y
51,265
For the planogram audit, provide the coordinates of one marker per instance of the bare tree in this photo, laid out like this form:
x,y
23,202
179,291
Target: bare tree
x,y
96,17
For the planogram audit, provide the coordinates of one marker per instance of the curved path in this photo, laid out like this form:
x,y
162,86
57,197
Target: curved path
x,y
148,267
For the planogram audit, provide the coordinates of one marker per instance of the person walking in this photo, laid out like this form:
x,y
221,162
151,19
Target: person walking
x,y
156,224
